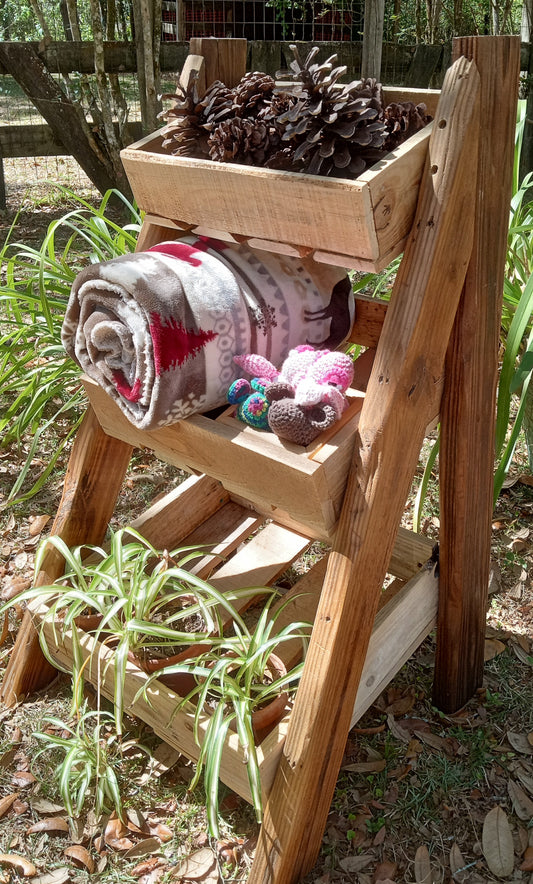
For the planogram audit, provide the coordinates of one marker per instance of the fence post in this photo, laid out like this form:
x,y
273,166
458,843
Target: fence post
x,y
373,38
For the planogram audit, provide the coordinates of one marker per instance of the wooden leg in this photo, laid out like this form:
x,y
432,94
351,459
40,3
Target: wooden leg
x,y
401,397
468,407
94,475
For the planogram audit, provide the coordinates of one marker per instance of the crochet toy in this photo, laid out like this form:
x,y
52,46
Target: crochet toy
x,y
299,401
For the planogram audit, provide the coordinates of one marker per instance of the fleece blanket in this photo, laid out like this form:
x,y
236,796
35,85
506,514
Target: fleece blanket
x,y
158,329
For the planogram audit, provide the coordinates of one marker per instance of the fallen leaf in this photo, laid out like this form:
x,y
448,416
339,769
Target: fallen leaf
x,y
457,864
523,655
5,629
148,845
385,871
23,866
527,860
493,647
49,824
6,802
148,865
423,870
161,831
80,856
530,739
522,805
497,842
397,730
163,759
199,866
434,741
21,560
58,876
37,524
19,806
379,838
23,779
42,805
366,766
520,742
13,587
354,864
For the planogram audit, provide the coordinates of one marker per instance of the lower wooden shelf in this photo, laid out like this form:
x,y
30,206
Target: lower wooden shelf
x,y
250,550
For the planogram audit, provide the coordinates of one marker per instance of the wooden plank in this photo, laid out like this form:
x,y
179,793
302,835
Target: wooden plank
x,y
429,97
221,534
399,628
170,520
225,58
468,413
194,64
398,404
374,16
285,207
369,318
37,140
409,553
261,560
95,473
268,469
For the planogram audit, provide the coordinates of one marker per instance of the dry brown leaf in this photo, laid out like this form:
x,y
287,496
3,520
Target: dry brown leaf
x,y
23,866
5,629
519,651
199,866
49,824
42,805
161,831
520,742
80,856
397,730
148,845
366,766
354,864
527,860
6,802
23,779
434,741
13,587
385,871
147,865
522,805
423,870
493,647
530,739
379,837
457,864
37,523
58,876
19,806
497,842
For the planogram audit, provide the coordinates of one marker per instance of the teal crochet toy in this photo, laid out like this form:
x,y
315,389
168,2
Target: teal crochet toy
x,y
252,404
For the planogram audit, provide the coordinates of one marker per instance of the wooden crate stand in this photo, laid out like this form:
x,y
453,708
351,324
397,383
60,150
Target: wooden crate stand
x,y
436,348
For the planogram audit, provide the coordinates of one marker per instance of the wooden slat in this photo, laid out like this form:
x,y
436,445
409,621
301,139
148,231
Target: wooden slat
x,y
221,535
400,395
262,560
468,413
172,519
399,628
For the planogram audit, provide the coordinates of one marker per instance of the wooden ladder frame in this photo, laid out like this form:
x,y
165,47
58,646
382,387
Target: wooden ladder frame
x,y
438,345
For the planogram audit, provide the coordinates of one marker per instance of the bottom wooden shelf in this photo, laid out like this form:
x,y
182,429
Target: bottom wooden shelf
x,y
250,550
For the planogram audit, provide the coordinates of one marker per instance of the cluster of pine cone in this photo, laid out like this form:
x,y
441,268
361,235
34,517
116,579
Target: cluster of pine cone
x,y
317,127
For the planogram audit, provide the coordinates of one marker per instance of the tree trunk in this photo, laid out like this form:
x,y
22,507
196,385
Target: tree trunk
x,y
61,114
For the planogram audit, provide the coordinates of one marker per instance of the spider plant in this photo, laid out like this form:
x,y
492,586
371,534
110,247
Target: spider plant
x,y
144,599
93,758
40,386
237,675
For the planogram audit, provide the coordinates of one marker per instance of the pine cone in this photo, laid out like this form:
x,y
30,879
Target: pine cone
x,y
402,120
252,94
336,131
185,133
246,141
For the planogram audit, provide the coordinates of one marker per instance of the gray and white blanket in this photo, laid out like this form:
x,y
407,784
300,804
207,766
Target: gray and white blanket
x,y
158,329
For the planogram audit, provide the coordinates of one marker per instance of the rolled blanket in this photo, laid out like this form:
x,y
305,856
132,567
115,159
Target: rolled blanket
x,y
158,329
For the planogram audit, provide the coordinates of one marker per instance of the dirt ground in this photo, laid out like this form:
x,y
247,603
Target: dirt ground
x,y
421,796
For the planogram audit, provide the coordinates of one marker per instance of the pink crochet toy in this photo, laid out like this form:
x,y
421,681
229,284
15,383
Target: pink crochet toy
x,y
304,397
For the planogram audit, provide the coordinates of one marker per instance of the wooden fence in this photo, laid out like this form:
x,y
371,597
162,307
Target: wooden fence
x,y
411,66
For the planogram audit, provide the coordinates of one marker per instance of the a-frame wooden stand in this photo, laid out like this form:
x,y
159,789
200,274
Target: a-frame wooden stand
x,y
437,348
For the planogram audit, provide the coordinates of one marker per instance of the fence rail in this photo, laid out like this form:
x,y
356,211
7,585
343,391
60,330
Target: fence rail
x,y
411,66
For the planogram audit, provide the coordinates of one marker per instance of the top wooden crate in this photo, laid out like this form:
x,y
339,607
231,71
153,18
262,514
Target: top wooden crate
x,y
361,223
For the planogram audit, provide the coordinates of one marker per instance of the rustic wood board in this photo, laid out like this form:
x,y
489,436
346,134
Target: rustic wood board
x,y
367,218
257,466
